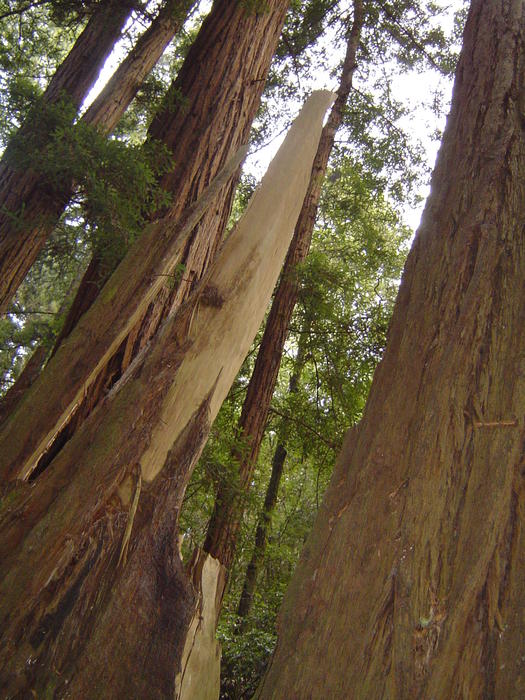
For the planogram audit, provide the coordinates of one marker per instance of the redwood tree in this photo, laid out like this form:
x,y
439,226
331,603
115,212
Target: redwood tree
x,y
411,584
26,199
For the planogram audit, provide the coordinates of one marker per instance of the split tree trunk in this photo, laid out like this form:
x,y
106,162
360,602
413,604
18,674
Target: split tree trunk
x,y
411,584
208,115
223,529
89,565
27,201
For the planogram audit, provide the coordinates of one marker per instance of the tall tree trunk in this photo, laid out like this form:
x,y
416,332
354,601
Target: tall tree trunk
x,y
208,115
108,108
221,537
270,500
411,584
92,587
27,200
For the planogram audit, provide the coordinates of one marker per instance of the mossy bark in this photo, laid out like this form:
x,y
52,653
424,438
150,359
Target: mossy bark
x,y
411,584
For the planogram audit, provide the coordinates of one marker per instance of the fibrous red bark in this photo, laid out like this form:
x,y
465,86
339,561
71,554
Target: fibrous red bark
x,y
411,585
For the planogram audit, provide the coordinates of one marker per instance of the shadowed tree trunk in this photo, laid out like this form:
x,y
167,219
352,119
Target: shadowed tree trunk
x,y
221,537
411,584
208,115
27,200
92,590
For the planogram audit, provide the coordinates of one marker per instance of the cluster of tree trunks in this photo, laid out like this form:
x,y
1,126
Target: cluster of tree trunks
x,y
90,566
30,204
207,116
411,584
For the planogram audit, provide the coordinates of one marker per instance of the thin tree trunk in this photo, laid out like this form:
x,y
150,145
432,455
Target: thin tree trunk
x,y
218,92
265,518
411,584
118,93
27,201
91,584
221,537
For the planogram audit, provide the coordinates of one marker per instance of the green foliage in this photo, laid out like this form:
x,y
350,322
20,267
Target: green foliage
x,y
116,182
32,45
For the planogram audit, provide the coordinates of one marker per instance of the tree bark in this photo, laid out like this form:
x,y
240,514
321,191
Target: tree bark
x,y
89,566
109,107
411,584
218,92
29,205
221,537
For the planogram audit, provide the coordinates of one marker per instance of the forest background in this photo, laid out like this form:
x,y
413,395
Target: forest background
x,y
347,284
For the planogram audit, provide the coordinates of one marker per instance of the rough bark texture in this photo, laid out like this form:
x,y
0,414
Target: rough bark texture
x,y
89,566
411,585
208,115
118,93
221,537
25,193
